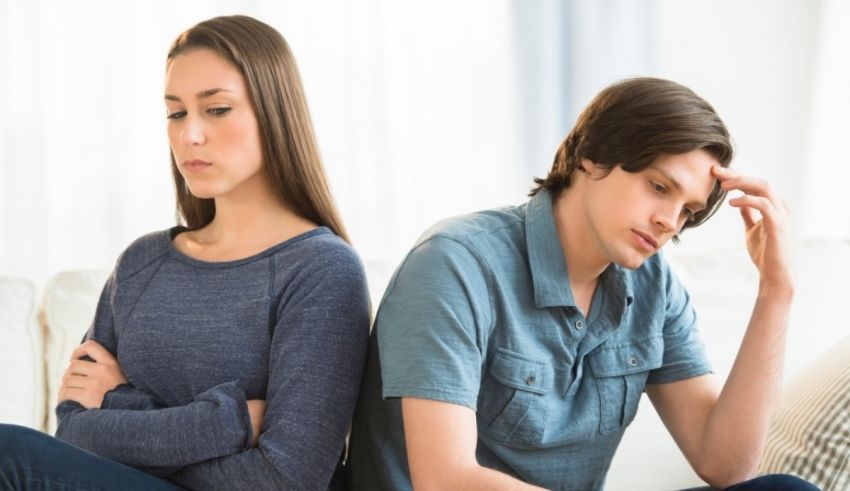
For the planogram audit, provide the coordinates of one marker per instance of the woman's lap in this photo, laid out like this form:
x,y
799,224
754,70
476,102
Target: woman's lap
x,y
33,460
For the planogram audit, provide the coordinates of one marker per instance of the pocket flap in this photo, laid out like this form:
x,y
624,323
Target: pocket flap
x,y
519,372
625,359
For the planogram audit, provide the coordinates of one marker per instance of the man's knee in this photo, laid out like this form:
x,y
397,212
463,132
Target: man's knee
x,y
775,482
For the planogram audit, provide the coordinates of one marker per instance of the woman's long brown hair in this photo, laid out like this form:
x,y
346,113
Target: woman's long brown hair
x,y
290,153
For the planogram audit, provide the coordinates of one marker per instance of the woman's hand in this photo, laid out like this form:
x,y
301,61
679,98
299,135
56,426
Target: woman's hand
x,y
767,237
86,382
257,410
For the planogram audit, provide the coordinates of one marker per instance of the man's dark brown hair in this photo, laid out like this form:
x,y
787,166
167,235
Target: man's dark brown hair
x,y
633,122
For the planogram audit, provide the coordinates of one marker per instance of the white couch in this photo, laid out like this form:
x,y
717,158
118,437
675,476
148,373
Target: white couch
x,y
39,331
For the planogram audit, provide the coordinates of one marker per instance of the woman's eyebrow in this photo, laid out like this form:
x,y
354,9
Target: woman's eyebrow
x,y
199,95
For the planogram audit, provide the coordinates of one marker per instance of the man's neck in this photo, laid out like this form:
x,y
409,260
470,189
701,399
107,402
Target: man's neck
x,y
585,262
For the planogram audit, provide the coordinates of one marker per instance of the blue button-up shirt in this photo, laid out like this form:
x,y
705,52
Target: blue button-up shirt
x,y
481,314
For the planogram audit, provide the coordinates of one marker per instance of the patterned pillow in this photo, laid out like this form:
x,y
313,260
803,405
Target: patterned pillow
x,y
810,433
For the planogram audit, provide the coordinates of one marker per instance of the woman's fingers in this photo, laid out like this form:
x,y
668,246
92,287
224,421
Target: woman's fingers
x,y
75,381
77,395
81,367
94,350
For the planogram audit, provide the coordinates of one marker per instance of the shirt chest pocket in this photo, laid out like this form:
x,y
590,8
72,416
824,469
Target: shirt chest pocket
x,y
620,374
512,406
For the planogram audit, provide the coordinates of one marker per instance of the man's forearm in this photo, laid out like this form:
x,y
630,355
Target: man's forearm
x,y
476,477
737,427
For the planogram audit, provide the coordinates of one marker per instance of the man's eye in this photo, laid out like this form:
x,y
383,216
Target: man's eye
x,y
176,115
658,188
688,214
219,111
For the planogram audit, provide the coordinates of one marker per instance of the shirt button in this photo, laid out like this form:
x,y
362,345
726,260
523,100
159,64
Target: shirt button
x,y
529,380
579,325
633,362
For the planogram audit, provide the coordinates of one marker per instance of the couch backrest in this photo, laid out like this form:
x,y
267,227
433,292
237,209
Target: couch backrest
x,y
21,363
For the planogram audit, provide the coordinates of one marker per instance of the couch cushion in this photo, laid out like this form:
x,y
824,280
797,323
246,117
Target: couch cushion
x,y
21,360
810,433
70,300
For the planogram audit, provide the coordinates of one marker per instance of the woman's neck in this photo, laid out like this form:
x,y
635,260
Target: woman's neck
x,y
244,224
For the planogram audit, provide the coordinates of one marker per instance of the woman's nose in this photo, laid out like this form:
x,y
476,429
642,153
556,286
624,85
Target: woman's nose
x,y
192,132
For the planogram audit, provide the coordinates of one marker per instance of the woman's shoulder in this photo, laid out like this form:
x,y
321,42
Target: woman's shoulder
x,y
319,250
144,251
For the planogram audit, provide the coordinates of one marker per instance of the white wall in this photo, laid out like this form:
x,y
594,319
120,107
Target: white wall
x,y
753,61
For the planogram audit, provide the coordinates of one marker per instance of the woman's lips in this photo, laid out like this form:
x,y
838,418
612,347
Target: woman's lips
x,y
196,165
645,241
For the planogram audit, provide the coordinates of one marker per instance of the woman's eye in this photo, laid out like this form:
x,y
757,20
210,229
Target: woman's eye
x,y
176,115
218,111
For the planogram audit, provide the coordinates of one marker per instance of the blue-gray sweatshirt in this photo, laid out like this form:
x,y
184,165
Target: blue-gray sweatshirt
x,y
198,339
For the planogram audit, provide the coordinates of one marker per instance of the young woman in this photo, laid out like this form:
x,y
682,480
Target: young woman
x,y
226,352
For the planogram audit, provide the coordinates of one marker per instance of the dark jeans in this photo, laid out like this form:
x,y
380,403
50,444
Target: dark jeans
x,y
770,482
33,460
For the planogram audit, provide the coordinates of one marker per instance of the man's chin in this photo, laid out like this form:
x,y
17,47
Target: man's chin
x,y
633,261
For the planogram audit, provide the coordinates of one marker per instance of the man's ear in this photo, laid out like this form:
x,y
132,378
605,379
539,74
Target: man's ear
x,y
589,167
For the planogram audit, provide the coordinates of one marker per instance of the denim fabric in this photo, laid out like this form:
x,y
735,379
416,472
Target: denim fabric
x,y
481,314
31,460
770,482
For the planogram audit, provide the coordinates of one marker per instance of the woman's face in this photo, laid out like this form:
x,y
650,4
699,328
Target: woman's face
x,y
212,128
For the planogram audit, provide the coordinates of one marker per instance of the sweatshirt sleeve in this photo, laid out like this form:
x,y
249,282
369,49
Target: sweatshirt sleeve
x,y
316,361
102,330
134,428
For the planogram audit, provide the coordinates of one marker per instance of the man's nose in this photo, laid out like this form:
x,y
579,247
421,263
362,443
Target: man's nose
x,y
666,219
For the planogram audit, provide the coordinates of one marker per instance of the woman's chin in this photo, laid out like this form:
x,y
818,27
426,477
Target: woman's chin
x,y
202,193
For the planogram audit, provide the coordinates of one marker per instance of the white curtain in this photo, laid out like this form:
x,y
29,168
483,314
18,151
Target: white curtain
x,y
824,173
416,106
423,109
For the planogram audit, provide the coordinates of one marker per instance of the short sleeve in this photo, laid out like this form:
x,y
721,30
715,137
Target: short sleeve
x,y
684,352
433,323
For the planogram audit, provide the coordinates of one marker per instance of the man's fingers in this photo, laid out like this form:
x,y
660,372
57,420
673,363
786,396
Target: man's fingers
x,y
732,181
772,217
750,185
760,203
749,217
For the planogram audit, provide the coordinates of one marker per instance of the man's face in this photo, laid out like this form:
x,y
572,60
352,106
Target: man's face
x,y
632,215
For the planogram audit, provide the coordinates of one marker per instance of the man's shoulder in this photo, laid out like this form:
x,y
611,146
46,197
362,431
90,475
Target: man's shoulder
x,y
480,229
656,284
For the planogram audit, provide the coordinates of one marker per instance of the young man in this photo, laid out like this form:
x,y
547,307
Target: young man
x,y
512,346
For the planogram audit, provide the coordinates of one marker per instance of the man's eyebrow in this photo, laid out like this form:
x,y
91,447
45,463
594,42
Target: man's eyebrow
x,y
199,95
702,205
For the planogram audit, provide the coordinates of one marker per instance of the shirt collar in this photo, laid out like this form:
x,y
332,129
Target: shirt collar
x,y
546,259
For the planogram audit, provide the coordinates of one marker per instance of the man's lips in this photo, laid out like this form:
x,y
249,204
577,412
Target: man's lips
x,y
646,239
